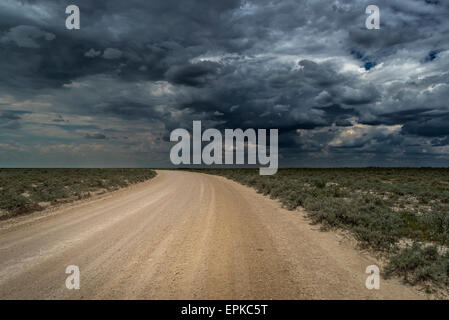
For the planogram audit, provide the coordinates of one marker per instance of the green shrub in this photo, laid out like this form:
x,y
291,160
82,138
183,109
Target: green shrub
x,y
320,184
420,264
437,223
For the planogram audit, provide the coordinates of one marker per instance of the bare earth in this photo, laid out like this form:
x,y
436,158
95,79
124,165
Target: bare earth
x,y
182,235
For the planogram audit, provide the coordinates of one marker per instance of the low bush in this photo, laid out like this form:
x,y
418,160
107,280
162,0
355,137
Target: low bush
x,y
420,264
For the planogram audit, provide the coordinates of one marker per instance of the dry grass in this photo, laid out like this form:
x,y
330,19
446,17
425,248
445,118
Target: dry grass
x,y
26,190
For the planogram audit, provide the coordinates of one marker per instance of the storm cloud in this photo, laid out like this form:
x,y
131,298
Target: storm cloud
x,y
110,93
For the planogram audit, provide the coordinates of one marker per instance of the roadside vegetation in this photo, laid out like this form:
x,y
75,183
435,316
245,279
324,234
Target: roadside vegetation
x,y
26,190
401,213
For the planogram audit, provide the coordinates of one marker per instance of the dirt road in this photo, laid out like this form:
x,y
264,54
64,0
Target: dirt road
x,y
182,236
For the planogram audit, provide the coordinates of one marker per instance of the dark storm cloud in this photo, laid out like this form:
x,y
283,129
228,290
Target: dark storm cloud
x,y
13,125
196,75
343,123
132,110
97,136
441,142
59,119
428,126
383,38
9,116
308,68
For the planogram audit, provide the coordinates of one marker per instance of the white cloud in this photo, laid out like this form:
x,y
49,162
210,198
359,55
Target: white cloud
x,y
360,134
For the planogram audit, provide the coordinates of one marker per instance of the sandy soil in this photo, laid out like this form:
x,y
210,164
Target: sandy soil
x,y
182,235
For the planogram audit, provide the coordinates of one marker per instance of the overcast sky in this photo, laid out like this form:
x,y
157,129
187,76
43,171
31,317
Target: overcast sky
x,y
110,93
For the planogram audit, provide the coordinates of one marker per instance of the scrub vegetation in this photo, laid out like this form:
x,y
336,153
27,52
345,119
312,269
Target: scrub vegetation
x,y
26,190
402,213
